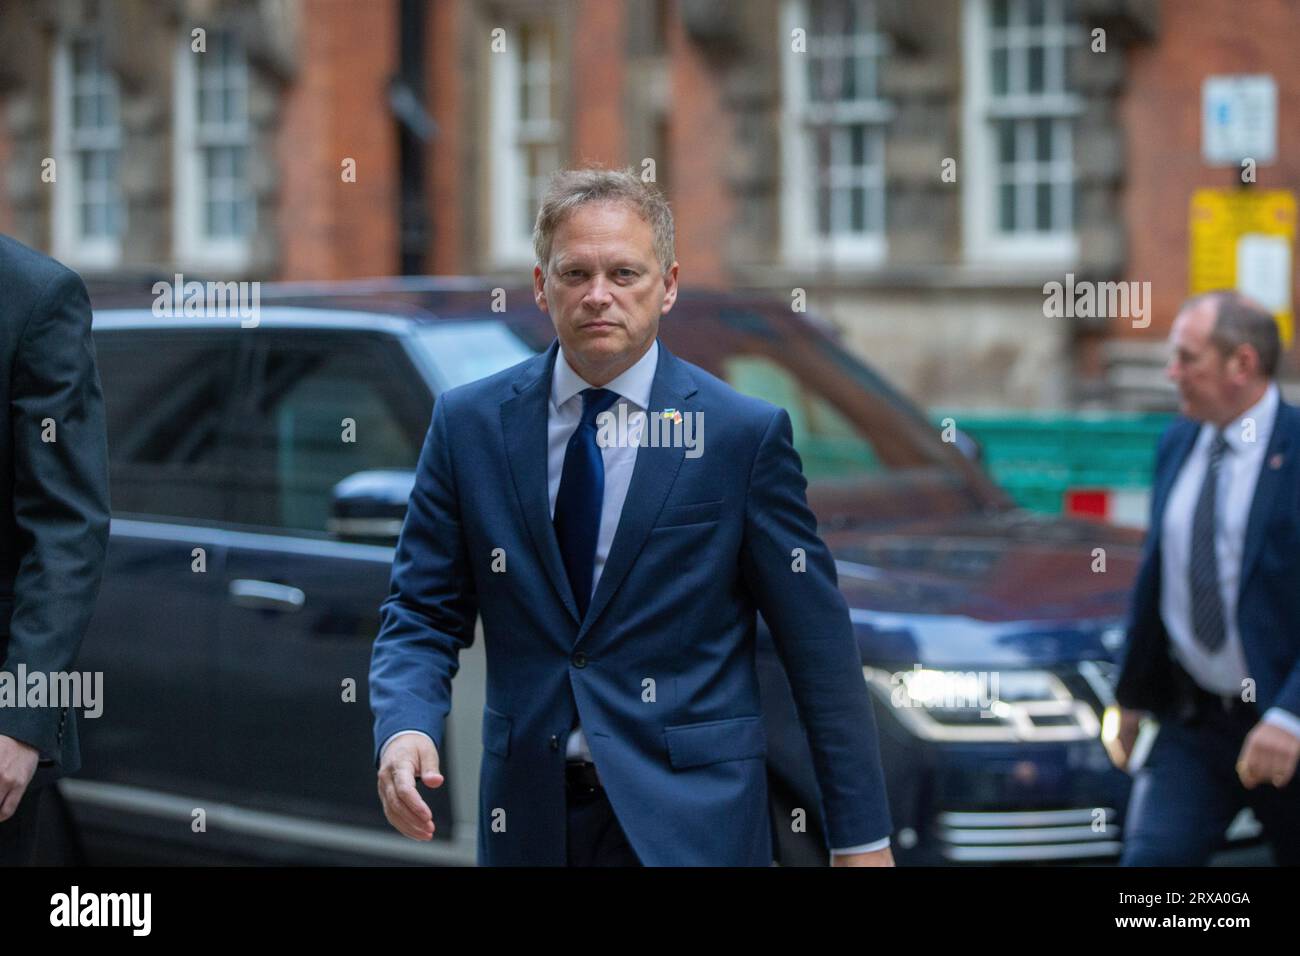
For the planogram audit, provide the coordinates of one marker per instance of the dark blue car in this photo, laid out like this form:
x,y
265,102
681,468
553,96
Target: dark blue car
x,y
259,479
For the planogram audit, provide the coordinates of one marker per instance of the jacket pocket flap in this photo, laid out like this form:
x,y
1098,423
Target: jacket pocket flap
x,y
695,513
712,741
496,732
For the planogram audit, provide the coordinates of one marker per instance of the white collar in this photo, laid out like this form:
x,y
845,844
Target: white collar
x,y
1264,413
633,384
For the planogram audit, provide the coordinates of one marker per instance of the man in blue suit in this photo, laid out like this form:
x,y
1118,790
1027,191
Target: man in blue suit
x,y
1213,648
618,578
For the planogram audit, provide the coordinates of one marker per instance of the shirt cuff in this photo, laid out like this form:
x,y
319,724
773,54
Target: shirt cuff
x,y
398,734
1284,719
864,848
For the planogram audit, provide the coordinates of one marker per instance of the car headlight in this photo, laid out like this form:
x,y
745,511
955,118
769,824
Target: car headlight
x,y
1007,705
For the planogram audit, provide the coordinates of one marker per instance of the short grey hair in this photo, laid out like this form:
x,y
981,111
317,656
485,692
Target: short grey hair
x,y
571,188
1239,320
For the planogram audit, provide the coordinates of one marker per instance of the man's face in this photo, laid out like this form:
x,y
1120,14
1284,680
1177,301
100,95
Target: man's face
x,y
605,289
1208,382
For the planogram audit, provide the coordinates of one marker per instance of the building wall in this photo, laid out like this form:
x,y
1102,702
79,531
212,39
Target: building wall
x,y
599,129
451,55
978,349
25,58
140,42
702,161
336,109
695,86
951,334
1161,109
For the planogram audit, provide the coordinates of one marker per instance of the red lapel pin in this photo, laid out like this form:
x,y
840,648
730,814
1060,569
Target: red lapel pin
x,y
1275,462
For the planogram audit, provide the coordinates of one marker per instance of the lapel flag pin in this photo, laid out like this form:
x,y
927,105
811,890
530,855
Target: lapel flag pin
x,y
673,414
1275,462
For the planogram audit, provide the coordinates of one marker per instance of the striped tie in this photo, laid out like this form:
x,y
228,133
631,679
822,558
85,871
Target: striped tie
x,y
1203,570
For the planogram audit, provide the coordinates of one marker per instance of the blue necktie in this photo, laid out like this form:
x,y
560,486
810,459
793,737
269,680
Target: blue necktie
x,y
582,491
1203,570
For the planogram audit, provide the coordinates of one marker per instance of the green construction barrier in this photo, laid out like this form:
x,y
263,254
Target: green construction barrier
x,y
1035,458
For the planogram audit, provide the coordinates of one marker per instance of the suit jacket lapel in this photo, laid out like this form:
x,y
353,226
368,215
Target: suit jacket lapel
x,y
653,475
524,420
1266,488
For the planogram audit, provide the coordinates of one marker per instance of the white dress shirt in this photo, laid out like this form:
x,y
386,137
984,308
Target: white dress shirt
x,y
563,415
565,412
1221,671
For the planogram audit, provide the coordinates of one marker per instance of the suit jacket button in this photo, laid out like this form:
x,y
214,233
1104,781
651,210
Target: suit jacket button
x,y
555,742
579,659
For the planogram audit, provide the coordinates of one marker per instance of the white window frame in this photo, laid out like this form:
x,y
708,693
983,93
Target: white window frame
x,y
511,240
802,245
194,249
70,244
983,241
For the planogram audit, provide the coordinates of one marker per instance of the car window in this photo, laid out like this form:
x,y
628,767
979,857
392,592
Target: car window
x,y
165,400
829,445
460,352
847,422
322,407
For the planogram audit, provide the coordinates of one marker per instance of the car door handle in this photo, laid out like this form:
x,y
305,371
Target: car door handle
x,y
266,595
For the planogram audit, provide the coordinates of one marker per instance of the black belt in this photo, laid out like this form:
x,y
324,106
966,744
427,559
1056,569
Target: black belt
x,y
1208,702
1199,703
580,777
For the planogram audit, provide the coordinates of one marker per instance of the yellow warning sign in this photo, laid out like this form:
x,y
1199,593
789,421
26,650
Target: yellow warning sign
x,y
1244,239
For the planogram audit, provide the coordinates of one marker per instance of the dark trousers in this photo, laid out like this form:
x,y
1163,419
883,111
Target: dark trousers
x,y
18,833
595,837
1188,791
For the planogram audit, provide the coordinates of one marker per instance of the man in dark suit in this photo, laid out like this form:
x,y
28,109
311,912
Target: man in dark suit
x,y
618,585
1213,647
54,518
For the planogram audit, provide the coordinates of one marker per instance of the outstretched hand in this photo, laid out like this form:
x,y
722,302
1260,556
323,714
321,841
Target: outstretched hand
x,y
404,759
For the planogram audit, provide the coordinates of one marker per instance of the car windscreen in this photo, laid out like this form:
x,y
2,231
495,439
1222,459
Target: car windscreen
x,y
849,424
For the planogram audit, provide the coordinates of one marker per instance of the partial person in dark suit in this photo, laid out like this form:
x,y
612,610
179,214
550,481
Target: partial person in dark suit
x,y
1213,646
623,724
54,518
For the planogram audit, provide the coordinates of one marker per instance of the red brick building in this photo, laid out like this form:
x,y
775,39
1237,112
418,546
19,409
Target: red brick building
x,y
920,169
1160,112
